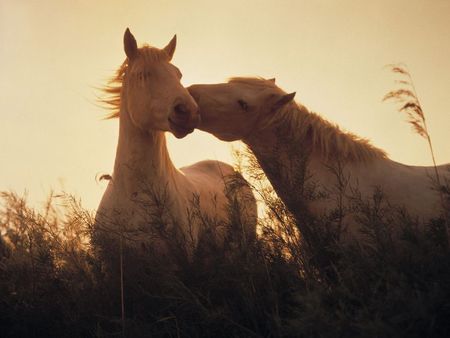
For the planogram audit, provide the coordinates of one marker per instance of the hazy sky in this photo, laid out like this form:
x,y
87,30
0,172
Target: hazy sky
x,y
53,54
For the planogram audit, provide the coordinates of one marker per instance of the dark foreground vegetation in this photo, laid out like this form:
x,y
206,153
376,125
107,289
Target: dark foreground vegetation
x,y
53,283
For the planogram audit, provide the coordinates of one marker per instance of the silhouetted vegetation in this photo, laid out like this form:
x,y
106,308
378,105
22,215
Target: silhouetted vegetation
x,y
406,96
53,283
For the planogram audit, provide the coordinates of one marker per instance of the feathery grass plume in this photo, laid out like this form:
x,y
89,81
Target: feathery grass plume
x,y
411,106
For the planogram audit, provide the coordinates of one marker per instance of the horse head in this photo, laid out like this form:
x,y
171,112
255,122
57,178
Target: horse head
x,y
234,110
155,98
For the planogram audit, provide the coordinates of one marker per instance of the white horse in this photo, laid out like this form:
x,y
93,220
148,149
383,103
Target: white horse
x,y
148,201
315,168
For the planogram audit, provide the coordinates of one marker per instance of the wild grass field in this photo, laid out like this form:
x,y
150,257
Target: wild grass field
x,y
54,283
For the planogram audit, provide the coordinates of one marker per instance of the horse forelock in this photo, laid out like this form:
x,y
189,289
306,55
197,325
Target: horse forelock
x,y
151,54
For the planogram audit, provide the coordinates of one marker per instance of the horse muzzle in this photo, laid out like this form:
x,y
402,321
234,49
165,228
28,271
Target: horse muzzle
x,y
183,120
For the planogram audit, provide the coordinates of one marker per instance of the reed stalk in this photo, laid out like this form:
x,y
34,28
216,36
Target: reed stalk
x,y
407,96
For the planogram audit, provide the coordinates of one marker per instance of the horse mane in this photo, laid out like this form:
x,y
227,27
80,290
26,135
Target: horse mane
x,y
253,81
325,138
113,87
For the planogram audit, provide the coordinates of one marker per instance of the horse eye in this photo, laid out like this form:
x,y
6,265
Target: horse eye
x,y
243,104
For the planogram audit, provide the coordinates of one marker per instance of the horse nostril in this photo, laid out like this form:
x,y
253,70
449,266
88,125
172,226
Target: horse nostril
x,y
181,109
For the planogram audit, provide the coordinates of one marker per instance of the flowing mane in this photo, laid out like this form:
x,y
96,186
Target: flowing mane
x,y
114,85
326,138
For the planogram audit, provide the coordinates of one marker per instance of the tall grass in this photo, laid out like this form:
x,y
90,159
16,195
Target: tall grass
x,y
410,105
54,283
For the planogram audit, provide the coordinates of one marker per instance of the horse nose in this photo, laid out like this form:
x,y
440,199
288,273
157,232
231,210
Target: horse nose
x,y
186,111
182,112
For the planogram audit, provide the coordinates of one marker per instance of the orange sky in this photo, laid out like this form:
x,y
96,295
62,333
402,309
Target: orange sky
x,y
54,53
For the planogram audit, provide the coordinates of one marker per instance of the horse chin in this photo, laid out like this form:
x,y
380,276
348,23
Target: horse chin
x,y
178,130
180,135
226,137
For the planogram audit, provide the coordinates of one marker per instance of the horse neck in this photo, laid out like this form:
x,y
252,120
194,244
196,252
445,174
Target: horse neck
x,y
142,158
274,138
282,156
294,153
294,127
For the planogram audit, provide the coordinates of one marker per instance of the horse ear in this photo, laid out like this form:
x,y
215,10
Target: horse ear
x,y
130,45
272,80
170,48
283,100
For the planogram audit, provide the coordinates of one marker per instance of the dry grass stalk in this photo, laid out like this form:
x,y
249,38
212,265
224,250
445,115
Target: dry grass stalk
x,y
411,106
